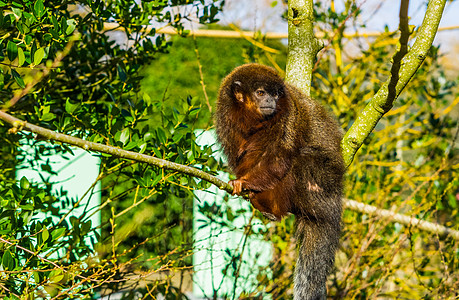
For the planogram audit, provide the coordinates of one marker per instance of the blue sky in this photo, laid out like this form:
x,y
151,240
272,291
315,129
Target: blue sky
x,y
260,15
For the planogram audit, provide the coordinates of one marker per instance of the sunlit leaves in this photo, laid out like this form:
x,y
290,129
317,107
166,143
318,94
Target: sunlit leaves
x,y
39,9
24,183
21,57
124,136
93,93
70,107
38,56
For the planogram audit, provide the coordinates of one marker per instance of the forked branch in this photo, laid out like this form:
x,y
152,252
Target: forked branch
x,y
405,66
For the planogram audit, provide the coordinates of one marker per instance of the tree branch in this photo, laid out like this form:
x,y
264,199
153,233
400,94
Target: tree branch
x,y
400,218
303,46
19,125
403,69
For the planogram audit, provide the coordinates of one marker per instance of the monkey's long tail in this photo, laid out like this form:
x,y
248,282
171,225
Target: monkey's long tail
x,y
319,240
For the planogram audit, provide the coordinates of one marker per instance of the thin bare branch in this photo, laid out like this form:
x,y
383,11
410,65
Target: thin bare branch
x,y
400,218
91,146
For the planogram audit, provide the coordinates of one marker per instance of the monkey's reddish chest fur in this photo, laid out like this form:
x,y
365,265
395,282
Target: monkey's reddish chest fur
x,y
263,169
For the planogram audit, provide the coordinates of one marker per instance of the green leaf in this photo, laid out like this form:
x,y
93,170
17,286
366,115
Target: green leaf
x,y
28,21
157,152
36,277
131,145
147,136
55,22
17,12
57,233
122,74
45,234
12,50
2,4
124,137
54,33
161,135
39,8
71,108
8,261
142,147
28,39
194,111
47,37
38,56
24,183
56,276
71,24
48,117
452,201
27,206
17,78
177,136
21,57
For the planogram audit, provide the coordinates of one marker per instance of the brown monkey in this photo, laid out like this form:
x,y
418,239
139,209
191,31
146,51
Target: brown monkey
x,y
284,149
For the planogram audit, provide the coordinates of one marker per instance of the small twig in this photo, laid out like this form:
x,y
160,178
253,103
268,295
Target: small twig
x,y
201,74
41,258
253,41
79,200
6,289
248,227
335,33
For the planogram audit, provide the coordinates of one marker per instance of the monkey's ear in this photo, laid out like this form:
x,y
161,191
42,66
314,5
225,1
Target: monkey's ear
x,y
236,88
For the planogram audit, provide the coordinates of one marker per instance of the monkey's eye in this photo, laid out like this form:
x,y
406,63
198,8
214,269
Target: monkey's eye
x,y
260,93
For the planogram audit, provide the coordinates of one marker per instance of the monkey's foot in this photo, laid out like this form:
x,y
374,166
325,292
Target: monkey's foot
x,y
270,216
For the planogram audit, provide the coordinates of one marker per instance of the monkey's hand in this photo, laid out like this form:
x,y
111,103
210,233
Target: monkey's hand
x,y
240,190
237,185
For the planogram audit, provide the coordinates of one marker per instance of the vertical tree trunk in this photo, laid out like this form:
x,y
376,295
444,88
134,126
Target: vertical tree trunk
x,y
302,44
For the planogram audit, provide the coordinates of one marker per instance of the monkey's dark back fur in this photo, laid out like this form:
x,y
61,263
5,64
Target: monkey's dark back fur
x,y
290,162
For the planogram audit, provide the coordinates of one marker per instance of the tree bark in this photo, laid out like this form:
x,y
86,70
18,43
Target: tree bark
x,y
303,46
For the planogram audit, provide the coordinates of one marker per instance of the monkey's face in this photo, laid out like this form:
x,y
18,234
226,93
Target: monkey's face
x,y
259,98
266,102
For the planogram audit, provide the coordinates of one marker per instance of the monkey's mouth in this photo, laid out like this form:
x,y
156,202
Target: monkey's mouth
x,y
267,110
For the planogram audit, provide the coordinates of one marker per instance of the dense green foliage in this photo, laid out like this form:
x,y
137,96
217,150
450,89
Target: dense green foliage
x,y
86,82
148,97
